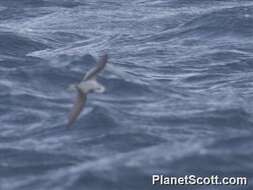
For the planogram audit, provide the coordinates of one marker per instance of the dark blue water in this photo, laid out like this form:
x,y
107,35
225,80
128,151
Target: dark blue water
x,y
178,100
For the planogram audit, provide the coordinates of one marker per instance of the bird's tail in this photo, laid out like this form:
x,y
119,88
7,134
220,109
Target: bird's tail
x,y
72,87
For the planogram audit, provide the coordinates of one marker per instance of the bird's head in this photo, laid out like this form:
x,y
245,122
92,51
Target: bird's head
x,y
96,87
99,89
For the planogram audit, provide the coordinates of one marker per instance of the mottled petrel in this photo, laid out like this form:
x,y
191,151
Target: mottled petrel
x,y
88,85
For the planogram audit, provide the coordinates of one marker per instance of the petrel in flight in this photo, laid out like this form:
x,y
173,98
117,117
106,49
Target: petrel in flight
x,y
88,85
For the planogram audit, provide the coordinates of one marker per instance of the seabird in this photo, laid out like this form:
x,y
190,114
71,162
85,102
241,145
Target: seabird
x,y
88,85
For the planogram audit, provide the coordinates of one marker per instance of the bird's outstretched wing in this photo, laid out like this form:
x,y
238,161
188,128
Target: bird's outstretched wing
x,y
77,108
99,67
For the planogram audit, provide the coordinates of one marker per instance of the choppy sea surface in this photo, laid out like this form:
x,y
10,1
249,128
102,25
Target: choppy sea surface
x,y
179,98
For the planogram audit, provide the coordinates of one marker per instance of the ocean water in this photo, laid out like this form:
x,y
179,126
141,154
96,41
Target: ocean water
x,y
178,101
